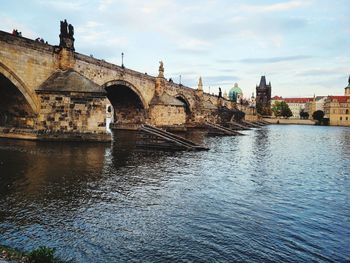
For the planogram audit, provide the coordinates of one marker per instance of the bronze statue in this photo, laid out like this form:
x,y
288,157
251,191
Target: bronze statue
x,y
71,30
64,31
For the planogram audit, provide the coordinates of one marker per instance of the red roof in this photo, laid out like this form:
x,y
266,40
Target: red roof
x,y
298,100
340,99
277,98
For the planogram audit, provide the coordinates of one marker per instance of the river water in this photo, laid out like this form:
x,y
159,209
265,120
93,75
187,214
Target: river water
x,y
281,194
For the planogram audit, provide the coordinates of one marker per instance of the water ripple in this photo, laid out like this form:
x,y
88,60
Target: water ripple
x,y
278,194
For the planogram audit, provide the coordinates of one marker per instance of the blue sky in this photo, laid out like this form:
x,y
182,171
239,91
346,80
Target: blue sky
x,y
301,46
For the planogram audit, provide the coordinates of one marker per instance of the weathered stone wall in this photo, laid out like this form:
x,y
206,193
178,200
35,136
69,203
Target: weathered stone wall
x,y
163,115
129,115
102,73
27,64
72,113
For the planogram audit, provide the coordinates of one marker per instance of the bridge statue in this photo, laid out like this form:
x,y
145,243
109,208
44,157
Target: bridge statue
x,y
64,31
71,30
66,35
161,70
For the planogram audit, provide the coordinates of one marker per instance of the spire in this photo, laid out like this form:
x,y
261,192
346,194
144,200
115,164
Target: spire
x,y
347,89
262,82
200,84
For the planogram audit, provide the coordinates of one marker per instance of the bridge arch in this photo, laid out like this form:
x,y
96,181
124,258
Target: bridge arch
x,y
188,107
129,106
18,106
20,85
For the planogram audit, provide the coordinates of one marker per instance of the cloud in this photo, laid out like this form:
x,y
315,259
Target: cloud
x,y
8,24
278,7
322,72
220,80
274,59
62,5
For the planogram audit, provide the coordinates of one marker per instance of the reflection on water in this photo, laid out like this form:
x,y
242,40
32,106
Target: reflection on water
x,y
280,193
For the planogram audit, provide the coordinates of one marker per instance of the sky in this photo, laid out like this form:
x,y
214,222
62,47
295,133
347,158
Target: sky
x,y
302,47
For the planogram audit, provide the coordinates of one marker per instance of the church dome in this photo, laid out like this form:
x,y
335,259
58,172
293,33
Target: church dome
x,y
235,92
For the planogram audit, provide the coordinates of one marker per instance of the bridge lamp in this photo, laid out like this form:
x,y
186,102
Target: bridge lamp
x,y
122,59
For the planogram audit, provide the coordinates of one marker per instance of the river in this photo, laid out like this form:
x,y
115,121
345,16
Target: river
x,y
278,194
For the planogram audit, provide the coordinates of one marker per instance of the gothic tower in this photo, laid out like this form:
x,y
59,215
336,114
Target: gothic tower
x,y
347,89
263,97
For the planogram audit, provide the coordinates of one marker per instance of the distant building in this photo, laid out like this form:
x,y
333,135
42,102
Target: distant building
x,y
274,99
235,94
263,97
337,108
297,105
316,104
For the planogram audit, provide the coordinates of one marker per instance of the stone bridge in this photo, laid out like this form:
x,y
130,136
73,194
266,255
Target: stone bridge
x,y
53,90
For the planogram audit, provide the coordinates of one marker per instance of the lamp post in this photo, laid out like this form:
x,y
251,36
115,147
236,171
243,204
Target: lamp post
x,y
122,59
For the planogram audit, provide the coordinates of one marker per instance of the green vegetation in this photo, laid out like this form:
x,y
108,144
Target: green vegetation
x,y
281,109
10,253
318,115
304,115
39,255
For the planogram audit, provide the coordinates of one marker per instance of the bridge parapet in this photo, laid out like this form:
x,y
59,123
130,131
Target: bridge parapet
x,y
29,64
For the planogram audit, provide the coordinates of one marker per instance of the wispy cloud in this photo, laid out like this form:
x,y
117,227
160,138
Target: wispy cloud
x,y
324,72
274,59
63,5
278,7
8,24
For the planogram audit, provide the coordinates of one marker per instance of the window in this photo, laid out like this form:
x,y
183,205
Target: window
x,y
341,118
347,111
346,118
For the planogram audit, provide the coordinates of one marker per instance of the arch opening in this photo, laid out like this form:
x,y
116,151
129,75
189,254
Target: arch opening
x,y
15,110
127,106
187,107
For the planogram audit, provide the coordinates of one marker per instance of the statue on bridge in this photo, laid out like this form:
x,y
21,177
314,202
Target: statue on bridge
x,y
66,35
64,25
161,70
71,30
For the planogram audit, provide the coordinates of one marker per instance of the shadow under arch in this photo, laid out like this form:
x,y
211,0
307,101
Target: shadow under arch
x,y
188,108
129,106
126,84
21,86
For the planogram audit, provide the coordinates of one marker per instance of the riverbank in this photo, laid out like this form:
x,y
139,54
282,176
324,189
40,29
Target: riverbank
x,y
41,254
289,121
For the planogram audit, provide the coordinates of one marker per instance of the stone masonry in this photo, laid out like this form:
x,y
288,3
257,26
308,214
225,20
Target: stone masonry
x,y
68,92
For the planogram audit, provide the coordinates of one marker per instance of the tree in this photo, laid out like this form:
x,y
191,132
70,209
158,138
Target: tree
x,y
281,108
276,108
318,115
285,110
304,115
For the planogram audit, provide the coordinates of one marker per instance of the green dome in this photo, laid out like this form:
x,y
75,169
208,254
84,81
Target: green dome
x,y
234,92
